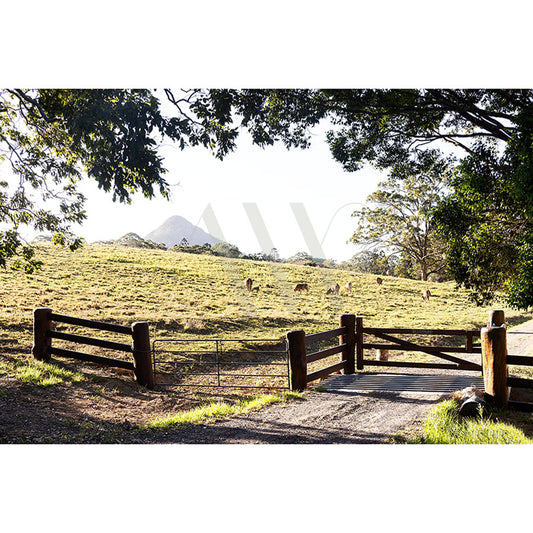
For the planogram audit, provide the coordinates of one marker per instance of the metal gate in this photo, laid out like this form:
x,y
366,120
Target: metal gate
x,y
231,363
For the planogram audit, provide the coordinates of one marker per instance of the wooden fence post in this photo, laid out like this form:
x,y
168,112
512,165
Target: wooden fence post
x,y
359,342
297,361
494,352
42,342
348,353
142,354
496,318
382,355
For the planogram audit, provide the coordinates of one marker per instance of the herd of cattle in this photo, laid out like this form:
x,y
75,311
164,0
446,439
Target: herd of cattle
x,y
334,289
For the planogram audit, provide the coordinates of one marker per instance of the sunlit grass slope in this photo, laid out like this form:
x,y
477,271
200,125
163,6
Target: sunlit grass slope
x,y
183,294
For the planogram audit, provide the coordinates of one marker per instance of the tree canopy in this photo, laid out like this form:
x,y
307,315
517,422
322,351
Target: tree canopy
x,y
52,138
398,217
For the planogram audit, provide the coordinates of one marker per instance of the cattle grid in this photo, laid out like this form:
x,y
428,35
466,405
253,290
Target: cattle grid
x,y
230,363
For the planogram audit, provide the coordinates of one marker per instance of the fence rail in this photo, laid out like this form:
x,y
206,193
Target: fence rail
x,y
397,344
43,333
297,345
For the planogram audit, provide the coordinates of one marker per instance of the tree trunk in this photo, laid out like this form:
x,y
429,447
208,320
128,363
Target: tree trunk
x,y
424,273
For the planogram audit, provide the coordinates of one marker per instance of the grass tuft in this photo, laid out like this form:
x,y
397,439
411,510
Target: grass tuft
x,y
217,410
444,426
39,373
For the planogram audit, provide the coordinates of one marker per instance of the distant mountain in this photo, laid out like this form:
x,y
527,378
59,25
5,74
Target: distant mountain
x,y
176,228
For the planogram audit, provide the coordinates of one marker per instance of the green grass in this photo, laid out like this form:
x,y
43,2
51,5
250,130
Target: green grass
x,y
217,410
39,373
184,295
444,426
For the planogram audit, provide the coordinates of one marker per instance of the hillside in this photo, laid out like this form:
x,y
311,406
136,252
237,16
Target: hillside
x,y
182,294
176,228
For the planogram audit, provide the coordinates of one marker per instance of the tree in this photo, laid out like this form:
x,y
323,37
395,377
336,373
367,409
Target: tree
x,y
373,263
226,249
388,128
399,219
50,139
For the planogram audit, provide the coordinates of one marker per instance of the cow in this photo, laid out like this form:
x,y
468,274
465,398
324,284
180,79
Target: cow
x,y
301,287
426,295
349,287
249,284
334,289
379,281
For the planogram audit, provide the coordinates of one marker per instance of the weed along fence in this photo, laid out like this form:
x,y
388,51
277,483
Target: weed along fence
x,y
43,331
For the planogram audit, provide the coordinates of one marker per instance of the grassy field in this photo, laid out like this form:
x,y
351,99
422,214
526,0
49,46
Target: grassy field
x,y
187,296
181,296
190,295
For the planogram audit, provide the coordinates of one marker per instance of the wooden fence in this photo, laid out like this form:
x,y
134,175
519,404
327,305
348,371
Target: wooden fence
x,y
395,343
299,359
43,333
495,360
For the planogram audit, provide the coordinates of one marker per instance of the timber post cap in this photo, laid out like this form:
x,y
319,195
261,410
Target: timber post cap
x,y
496,318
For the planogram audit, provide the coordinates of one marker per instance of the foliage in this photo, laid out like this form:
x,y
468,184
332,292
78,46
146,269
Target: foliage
x,y
52,138
194,248
373,263
135,241
399,218
273,256
444,426
225,249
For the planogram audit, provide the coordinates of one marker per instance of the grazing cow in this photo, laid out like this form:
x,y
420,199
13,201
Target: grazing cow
x,y
256,289
334,289
426,295
379,281
249,284
349,287
301,287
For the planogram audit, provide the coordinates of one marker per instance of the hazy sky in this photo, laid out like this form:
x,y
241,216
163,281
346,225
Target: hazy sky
x,y
270,179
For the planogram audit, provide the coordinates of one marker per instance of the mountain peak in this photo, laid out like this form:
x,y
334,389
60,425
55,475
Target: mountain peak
x,y
176,228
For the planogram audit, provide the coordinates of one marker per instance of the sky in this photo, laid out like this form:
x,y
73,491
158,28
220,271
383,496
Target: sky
x,y
249,184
